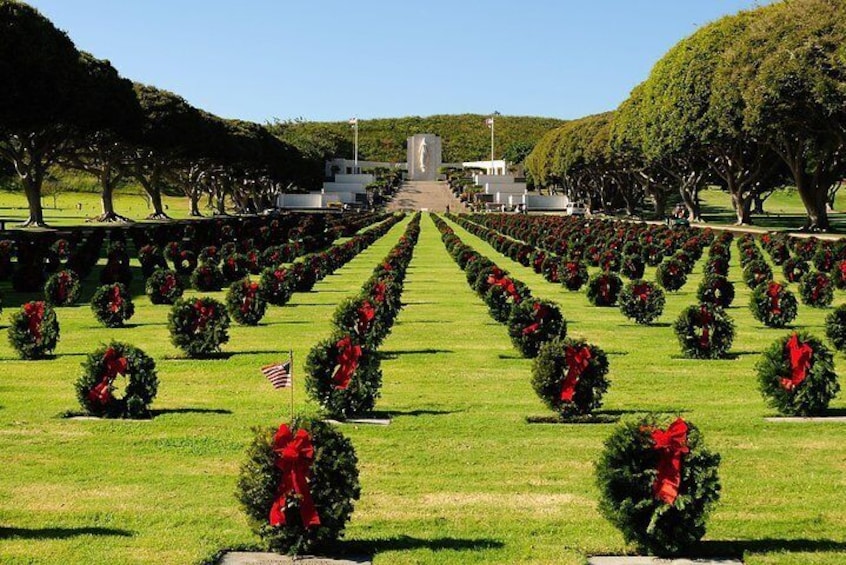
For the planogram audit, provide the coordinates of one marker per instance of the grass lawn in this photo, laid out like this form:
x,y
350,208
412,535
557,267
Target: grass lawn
x,y
458,477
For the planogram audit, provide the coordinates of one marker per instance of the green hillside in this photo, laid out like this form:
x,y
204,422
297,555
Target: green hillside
x,y
465,136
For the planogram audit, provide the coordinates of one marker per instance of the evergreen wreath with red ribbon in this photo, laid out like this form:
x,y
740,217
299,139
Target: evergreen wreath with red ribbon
x,y
245,302
343,377
658,483
112,364
717,290
164,287
34,330
277,285
773,305
816,289
642,301
207,278
671,274
573,274
796,375
198,326
112,305
62,288
704,331
604,289
298,485
534,322
570,376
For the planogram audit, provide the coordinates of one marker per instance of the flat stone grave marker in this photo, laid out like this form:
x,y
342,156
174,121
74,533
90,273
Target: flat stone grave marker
x,y
258,558
363,421
649,560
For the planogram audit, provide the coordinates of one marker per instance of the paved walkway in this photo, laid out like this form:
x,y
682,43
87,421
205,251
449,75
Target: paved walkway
x,y
434,196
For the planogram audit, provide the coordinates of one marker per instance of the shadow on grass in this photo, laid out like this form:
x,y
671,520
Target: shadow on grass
x,y
732,355
61,533
164,411
406,543
418,412
397,353
737,548
219,356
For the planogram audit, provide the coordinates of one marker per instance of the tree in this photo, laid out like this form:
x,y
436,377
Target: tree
x,y
789,72
113,125
39,97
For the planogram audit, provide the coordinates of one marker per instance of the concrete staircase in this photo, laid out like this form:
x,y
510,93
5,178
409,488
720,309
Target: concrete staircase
x,y
434,196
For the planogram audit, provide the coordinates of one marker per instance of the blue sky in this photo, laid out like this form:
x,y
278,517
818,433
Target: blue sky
x,y
329,60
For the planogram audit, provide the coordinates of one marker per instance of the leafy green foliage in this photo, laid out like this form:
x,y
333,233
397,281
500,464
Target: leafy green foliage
x,y
140,385
550,370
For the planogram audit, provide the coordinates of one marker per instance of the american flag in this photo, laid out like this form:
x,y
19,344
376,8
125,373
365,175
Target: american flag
x,y
489,122
279,374
353,121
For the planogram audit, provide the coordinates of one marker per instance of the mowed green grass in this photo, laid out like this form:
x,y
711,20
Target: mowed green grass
x,y
458,477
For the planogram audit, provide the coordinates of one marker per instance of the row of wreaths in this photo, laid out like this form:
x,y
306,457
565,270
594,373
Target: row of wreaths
x,y
658,482
299,482
199,326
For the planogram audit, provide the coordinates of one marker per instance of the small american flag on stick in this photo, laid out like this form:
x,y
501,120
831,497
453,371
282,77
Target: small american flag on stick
x,y
278,374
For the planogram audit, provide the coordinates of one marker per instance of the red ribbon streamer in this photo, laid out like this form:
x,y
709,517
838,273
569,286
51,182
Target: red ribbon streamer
x,y
113,365
641,292
773,289
540,315
116,300
347,361
35,315
366,314
577,361
379,292
204,315
705,318
671,444
800,361
168,285
251,290
294,457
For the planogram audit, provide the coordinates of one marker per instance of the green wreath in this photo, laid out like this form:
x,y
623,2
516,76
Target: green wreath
x,y
671,274
62,288
343,377
773,305
838,275
642,301
95,388
198,326
210,255
794,269
276,285
34,330
704,331
634,495
756,273
632,267
501,297
717,265
112,305
570,376
816,290
359,316
717,290
835,328
207,278
245,302
235,267
185,262
332,485
796,375
534,322
604,288
574,275
164,287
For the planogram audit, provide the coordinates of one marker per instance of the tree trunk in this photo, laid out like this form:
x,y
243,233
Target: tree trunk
x,y
813,199
741,205
659,201
32,189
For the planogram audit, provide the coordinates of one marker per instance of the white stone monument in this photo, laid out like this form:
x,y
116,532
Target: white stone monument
x,y
424,156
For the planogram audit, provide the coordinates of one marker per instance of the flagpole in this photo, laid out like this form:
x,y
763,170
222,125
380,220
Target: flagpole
x,y
355,165
291,353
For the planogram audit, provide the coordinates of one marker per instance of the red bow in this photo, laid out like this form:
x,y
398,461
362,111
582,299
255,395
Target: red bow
x,y
671,444
800,361
641,292
35,314
366,313
113,365
64,280
498,278
168,284
347,360
705,318
577,361
251,290
541,313
204,315
116,300
294,456
379,292
773,290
